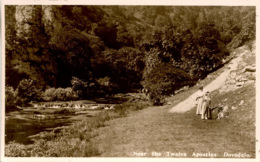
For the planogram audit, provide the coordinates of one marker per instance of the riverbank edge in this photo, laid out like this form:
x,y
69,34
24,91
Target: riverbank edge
x,y
73,140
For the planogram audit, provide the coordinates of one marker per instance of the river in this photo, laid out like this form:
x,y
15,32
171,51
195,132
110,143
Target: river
x,y
20,125
45,116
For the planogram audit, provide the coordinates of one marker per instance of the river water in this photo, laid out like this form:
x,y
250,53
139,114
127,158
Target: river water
x,y
18,128
20,125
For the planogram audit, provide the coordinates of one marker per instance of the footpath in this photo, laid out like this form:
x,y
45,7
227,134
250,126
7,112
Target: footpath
x,y
215,84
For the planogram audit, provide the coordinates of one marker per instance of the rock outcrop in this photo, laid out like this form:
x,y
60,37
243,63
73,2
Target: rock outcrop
x,y
34,26
244,72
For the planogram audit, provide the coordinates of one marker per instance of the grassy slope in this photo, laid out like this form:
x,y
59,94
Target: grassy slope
x,y
155,129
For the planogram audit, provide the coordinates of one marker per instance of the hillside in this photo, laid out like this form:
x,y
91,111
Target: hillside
x,y
84,52
237,73
184,134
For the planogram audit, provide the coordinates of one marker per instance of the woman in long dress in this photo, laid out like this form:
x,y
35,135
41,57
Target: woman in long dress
x,y
199,100
205,114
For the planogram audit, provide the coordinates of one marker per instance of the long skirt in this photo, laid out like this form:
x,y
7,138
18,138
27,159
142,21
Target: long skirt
x,y
205,111
208,112
199,106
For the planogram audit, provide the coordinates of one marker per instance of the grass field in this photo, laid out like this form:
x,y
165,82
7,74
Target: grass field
x,y
156,130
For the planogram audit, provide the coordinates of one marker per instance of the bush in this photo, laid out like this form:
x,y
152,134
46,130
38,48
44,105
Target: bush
x,y
163,80
83,89
64,94
27,91
10,97
156,97
49,94
59,94
106,86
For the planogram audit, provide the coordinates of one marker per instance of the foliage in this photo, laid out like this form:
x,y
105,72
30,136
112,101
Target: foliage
x,y
49,94
10,97
124,68
27,90
163,80
127,67
73,55
246,30
59,94
106,86
83,89
53,44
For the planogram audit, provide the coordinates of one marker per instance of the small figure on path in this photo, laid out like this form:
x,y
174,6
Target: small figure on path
x,y
199,100
206,112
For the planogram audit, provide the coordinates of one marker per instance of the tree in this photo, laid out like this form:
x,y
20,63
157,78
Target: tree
x,y
27,91
72,53
121,45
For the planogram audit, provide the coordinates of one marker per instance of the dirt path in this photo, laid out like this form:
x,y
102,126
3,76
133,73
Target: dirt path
x,y
215,84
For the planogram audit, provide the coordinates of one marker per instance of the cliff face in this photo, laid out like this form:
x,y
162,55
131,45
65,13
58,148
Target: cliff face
x,y
51,24
244,73
33,27
29,18
26,17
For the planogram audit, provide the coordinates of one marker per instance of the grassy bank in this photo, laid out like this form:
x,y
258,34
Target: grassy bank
x,y
157,130
74,140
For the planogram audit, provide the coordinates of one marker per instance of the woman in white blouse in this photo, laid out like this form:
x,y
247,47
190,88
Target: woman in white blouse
x,y
199,100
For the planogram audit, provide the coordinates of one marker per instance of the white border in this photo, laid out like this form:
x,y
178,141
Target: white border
x,y
125,2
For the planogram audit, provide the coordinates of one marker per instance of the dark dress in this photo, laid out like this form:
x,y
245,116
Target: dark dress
x,y
206,111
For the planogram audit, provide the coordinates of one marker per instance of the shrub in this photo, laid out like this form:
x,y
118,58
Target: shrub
x,y
10,97
49,94
27,91
163,80
64,94
60,94
83,89
156,97
106,86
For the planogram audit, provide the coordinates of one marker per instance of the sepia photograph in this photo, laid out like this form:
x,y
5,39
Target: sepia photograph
x,y
129,81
